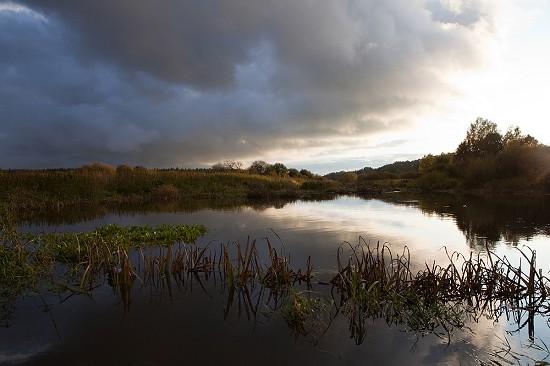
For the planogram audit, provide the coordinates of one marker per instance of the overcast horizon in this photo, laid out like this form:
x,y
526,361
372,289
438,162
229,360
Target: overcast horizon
x,y
323,85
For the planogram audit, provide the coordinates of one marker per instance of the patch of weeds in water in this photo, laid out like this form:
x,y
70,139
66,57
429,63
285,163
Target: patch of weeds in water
x,y
374,283
31,262
306,314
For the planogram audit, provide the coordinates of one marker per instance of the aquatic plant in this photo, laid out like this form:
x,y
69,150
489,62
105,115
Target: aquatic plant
x,y
371,282
306,314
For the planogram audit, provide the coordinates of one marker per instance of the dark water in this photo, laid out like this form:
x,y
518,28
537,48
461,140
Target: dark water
x,y
192,324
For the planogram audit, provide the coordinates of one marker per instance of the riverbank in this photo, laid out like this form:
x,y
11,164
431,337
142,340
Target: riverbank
x,y
55,189
499,188
31,191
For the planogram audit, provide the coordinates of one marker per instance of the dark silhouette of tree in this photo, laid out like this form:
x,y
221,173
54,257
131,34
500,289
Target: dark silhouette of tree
x,y
514,137
279,169
306,173
228,165
259,167
482,139
294,173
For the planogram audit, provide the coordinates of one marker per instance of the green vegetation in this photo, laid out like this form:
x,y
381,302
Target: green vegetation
x,y
370,282
485,162
305,313
33,262
102,183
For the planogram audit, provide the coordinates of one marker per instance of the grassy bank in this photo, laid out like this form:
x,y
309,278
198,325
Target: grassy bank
x,y
100,183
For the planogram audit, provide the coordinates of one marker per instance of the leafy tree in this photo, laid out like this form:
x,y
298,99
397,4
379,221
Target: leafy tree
x,y
514,137
306,173
259,167
279,169
482,139
442,162
294,173
228,165
348,178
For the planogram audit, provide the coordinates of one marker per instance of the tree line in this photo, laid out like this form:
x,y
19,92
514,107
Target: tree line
x,y
486,159
263,168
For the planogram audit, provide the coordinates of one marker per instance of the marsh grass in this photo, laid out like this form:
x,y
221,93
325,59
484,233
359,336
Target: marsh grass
x,y
375,283
75,262
31,190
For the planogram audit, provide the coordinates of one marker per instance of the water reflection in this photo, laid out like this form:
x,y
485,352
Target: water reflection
x,y
481,221
199,324
484,220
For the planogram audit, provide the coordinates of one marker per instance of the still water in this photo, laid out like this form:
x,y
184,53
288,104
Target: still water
x,y
195,324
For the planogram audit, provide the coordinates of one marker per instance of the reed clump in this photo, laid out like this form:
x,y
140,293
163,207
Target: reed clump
x,y
375,283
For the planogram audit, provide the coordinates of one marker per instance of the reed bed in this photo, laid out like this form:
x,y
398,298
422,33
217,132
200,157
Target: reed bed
x,y
373,282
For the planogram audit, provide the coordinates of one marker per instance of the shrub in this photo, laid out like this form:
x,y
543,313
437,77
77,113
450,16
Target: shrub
x,y
319,185
294,173
98,169
259,167
479,171
165,192
278,169
436,180
306,173
123,170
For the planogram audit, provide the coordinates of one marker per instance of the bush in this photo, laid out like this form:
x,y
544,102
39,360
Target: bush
x,y
436,180
306,173
123,170
319,185
165,192
479,171
294,173
98,170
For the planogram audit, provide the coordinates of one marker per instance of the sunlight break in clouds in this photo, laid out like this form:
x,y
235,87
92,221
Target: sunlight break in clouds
x,y
321,84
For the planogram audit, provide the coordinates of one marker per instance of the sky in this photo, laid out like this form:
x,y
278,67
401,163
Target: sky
x,y
326,85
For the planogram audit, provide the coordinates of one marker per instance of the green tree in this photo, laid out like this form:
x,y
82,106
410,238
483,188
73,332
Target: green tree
x,y
348,179
259,167
279,169
294,173
306,173
514,137
482,139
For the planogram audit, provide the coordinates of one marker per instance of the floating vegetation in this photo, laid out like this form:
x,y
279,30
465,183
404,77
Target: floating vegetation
x,y
306,314
32,262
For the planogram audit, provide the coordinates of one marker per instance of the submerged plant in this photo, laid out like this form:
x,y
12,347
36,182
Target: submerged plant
x,y
306,314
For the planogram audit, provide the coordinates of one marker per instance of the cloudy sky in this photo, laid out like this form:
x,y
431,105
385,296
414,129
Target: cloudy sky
x,y
321,84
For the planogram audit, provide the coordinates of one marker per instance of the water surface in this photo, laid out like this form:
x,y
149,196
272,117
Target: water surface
x,y
194,324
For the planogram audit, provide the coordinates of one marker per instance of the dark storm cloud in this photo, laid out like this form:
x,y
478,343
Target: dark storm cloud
x,y
189,81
